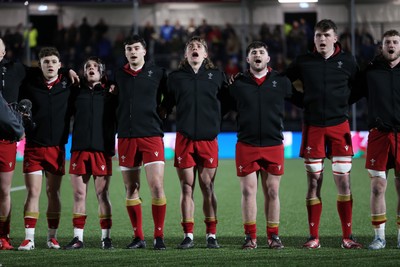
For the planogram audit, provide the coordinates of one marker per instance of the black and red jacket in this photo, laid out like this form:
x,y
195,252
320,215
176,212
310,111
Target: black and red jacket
x,y
197,100
94,125
260,108
51,109
138,100
327,84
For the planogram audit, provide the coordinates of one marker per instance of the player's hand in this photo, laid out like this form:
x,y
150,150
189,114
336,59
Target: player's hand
x,y
74,77
113,89
162,112
298,85
232,78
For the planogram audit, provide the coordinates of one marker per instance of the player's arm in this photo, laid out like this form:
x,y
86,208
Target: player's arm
x,y
10,121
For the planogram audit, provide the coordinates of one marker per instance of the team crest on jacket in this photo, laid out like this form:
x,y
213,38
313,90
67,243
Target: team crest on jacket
x,y
149,73
210,75
339,64
274,83
64,84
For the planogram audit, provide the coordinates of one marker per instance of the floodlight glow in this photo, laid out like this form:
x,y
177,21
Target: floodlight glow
x,y
42,8
304,5
297,1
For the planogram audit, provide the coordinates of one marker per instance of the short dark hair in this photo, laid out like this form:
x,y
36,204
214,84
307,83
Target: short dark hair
x,y
390,33
254,45
135,39
326,25
49,51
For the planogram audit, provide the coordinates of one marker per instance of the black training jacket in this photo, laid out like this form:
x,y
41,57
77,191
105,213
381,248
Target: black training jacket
x,y
327,85
94,124
11,128
381,84
138,100
51,109
196,97
260,108
12,74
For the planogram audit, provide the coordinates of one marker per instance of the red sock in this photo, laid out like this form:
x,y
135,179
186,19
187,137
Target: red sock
x,y
79,221
211,225
272,231
30,222
135,214
314,209
159,219
250,230
5,226
106,223
345,208
53,220
187,227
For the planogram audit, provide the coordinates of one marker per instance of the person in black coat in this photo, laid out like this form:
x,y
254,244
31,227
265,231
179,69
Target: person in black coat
x,y
259,96
195,89
44,154
380,83
327,75
12,74
93,146
141,86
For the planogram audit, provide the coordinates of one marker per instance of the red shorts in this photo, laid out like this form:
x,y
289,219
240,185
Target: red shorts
x,y
51,159
133,152
8,152
94,163
189,153
320,142
381,151
254,158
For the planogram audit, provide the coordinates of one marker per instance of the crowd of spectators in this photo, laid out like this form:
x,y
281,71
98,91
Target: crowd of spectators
x,y
166,43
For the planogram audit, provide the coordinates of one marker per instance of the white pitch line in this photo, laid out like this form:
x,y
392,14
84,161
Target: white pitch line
x,y
18,188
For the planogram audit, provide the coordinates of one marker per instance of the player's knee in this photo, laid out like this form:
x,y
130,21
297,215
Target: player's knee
x,y
314,166
341,165
377,174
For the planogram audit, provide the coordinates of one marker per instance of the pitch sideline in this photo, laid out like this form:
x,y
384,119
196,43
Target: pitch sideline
x,y
18,188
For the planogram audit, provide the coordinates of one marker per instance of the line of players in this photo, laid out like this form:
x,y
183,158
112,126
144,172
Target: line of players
x,y
141,95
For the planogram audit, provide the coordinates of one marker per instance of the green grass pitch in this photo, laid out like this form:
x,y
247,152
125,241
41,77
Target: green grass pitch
x,y
293,226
